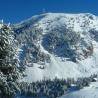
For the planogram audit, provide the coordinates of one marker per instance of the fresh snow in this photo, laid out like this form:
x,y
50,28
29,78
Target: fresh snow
x,y
86,92
62,68
59,66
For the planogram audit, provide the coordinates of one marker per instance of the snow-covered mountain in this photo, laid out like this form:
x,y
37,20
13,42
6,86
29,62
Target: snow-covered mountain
x,y
58,45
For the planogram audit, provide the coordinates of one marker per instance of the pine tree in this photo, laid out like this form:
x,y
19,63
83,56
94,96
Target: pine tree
x,y
8,68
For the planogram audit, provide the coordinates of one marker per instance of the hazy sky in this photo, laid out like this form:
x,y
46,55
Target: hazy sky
x,y
17,10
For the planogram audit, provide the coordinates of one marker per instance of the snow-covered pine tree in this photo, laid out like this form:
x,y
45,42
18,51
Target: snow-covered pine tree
x,y
8,69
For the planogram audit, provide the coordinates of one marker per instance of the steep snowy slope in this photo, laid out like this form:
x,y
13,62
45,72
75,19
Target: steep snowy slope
x,y
58,45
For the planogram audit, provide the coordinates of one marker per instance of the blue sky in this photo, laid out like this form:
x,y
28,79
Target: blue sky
x,y
17,10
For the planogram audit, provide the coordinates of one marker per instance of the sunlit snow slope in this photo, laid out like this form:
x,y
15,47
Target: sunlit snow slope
x,y
58,45
87,92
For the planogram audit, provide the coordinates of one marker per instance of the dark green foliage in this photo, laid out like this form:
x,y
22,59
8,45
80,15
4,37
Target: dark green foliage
x,y
49,88
8,70
54,88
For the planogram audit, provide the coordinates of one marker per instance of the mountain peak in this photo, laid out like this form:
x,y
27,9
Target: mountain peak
x,y
53,43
